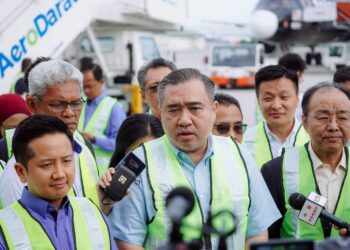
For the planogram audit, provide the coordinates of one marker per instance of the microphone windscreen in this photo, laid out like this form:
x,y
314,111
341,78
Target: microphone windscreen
x,y
184,193
296,200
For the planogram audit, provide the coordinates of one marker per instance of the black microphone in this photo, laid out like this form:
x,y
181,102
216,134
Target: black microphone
x,y
179,203
297,200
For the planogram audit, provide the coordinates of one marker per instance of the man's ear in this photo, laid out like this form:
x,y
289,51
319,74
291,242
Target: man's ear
x,y
142,92
21,172
304,121
215,106
31,104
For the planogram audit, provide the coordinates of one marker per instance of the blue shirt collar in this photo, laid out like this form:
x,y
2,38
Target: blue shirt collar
x,y
181,156
97,99
76,147
39,205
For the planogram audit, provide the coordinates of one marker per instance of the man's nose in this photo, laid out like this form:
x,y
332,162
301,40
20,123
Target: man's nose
x,y
185,118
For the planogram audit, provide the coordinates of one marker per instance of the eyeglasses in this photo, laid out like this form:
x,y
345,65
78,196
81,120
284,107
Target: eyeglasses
x,y
59,106
224,128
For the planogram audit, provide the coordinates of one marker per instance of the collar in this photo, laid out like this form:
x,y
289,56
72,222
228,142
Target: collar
x,y
40,206
182,156
97,99
317,163
290,137
76,146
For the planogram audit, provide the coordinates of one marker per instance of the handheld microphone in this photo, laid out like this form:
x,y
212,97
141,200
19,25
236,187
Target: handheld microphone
x,y
297,201
179,203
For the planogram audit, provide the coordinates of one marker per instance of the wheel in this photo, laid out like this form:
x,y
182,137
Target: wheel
x,y
308,58
318,58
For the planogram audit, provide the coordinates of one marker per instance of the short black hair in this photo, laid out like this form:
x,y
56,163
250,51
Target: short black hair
x,y
227,100
273,72
293,61
342,75
85,62
32,66
26,63
34,127
95,69
133,128
323,85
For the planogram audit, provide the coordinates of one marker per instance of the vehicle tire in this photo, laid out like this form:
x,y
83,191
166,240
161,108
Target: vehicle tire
x,y
308,58
318,58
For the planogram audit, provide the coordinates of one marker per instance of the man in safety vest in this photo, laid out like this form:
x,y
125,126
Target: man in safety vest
x,y
220,173
149,77
101,116
320,166
277,92
54,89
45,217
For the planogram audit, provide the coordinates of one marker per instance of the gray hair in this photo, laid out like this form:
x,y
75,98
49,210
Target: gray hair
x,y
183,75
155,63
51,73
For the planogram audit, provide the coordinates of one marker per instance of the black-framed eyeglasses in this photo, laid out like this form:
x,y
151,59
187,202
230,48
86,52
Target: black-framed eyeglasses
x,y
59,106
224,128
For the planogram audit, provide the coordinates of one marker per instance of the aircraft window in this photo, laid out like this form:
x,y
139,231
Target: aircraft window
x,y
234,56
106,44
149,48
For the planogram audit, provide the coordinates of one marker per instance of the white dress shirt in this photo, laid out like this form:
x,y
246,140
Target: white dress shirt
x,y
329,182
275,143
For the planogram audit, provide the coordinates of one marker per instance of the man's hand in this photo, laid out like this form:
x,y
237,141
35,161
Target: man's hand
x,y
89,136
342,231
106,203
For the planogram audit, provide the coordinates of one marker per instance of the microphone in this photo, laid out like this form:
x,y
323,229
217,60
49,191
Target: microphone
x,y
179,203
297,201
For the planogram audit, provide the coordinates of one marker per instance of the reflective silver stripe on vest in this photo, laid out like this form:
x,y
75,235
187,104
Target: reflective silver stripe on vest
x,y
291,160
88,155
104,116
15,228
92,223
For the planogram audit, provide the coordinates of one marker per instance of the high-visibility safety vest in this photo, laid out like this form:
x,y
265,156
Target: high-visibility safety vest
x,y
262,147
87,165
22,231
229,190
298,176
8,138
97,126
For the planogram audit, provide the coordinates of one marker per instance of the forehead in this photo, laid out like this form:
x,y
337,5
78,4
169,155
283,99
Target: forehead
x,y
329,99
189,91
63,92
277,86
156,74
88,75
230,112
55,144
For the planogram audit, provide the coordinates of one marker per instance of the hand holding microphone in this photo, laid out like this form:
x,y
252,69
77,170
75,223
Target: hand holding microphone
x,y
299,202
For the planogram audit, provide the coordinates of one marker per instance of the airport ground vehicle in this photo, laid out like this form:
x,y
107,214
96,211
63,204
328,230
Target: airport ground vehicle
x,y
234,66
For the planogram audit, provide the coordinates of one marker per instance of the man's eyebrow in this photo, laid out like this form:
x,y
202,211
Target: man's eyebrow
x,y
322,111
173,105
